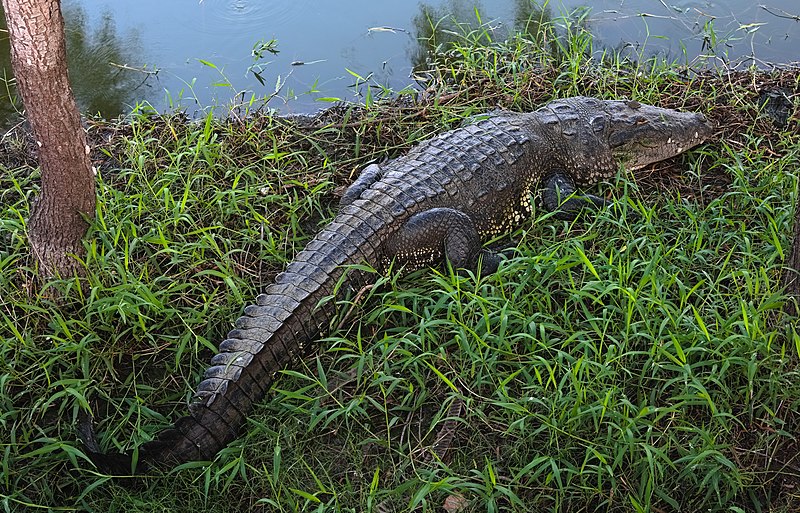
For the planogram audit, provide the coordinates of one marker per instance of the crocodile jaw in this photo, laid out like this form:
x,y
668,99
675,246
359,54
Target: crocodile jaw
x,y
640,134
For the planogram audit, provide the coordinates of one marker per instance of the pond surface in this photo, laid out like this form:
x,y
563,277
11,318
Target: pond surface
x,y
194,53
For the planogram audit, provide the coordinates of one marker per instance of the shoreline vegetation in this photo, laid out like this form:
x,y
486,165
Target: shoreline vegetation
x,y
609,365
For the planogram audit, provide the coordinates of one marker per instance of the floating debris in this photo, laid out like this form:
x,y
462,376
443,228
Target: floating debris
x,y
393,30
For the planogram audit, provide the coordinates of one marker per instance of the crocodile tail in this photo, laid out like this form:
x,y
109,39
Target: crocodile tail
x,y
280,326
266,339
240,375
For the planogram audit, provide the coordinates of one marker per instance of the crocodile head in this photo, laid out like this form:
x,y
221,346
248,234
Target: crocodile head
x,y
640,134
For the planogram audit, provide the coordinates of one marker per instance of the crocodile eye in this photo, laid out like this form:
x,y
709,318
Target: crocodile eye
x,y
598,123
633,104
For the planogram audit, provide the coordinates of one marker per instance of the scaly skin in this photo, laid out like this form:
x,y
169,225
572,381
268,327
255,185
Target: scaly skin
x,y
445,198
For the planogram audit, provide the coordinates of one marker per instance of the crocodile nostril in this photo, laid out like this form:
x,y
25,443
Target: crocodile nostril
x,y
700,116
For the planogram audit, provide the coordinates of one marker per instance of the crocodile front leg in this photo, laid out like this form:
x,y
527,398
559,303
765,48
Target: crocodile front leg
x,y
371,174
558,196
429,236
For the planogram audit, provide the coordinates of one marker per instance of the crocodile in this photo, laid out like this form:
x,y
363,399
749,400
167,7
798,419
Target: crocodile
x,y
444,199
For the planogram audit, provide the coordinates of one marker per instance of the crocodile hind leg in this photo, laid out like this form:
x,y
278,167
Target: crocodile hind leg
x,y
558,196
429,236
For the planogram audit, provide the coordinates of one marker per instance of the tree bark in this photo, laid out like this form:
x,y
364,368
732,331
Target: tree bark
x,y
39,60
791,273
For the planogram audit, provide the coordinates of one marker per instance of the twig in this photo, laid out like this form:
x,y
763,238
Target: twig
x,y
785,14
354,303
131,68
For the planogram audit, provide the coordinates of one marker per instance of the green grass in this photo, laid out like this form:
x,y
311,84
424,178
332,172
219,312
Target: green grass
x,y
614,364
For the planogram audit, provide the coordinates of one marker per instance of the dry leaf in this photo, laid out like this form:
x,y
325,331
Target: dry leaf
x,y
455,503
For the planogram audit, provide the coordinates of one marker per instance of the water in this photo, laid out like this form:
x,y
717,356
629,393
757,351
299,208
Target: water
x,y
194,53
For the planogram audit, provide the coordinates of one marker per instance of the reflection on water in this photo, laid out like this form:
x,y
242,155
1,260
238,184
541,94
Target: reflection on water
x,y
439,27
534,20
95,57
323,47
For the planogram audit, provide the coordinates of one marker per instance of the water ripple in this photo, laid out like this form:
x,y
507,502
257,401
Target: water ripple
x,y
228,17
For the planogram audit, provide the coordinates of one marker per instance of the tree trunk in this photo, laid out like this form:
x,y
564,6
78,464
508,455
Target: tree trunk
x,y
791,272
39,59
